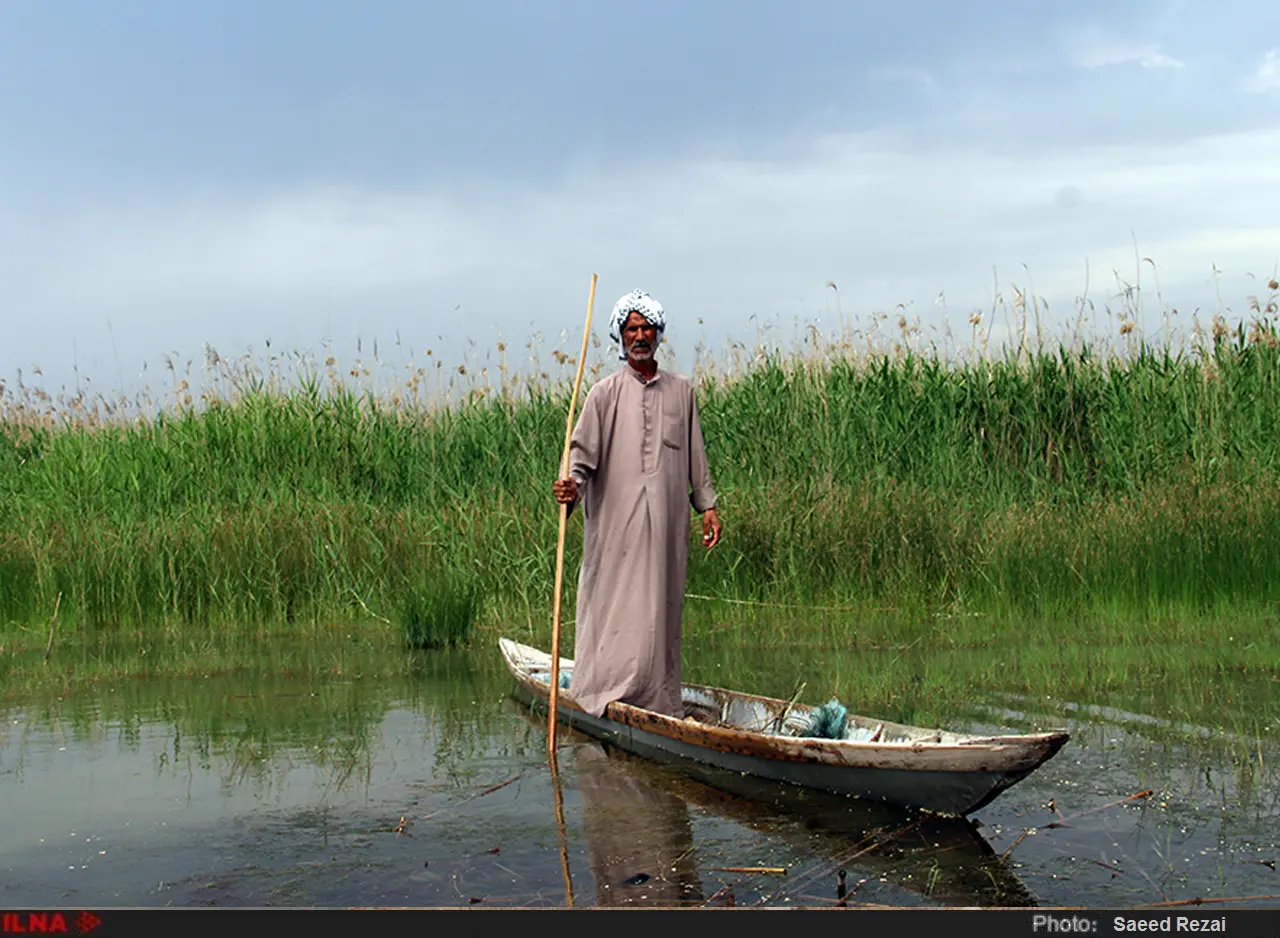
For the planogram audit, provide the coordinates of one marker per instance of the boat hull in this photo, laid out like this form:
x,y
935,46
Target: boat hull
x,y
951,780
940,791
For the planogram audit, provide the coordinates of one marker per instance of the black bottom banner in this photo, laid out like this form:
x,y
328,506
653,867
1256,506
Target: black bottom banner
x,y
245,923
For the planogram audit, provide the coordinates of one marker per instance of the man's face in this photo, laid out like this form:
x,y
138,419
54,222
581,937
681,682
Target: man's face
x,y
639,338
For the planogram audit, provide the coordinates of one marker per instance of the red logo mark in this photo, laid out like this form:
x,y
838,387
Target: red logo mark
x,y
87,922
33,923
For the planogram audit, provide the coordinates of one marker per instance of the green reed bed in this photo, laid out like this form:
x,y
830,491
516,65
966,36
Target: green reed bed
x,y
1134,485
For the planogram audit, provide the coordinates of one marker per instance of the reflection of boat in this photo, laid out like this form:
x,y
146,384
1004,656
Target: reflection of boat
x,y
643,850
639,840
910,766
944,859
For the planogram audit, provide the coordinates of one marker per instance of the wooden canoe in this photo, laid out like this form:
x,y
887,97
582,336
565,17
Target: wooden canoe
x,y
908,766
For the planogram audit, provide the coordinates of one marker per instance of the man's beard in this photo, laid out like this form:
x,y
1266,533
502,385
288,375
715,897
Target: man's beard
x,y
640,352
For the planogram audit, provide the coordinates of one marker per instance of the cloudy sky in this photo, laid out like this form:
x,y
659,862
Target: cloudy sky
x,y
182,174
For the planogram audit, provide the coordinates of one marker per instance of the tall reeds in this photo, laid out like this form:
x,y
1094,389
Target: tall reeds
x,y
440,610
1030,482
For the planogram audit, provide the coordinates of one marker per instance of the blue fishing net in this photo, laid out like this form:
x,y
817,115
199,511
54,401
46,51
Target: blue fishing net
x,y
828,721
545,677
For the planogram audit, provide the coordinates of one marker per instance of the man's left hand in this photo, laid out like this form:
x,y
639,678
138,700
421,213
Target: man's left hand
x,y
710,528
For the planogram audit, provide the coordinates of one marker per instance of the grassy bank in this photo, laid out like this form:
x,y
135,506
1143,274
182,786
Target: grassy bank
x,y
1065,484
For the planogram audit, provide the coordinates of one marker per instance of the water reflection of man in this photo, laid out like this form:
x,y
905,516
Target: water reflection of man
x,y
639,839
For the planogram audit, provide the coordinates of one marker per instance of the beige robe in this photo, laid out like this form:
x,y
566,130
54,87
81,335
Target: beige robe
x,y
639,460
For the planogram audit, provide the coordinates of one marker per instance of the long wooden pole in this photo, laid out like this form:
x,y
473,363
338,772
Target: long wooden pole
x,y
554,703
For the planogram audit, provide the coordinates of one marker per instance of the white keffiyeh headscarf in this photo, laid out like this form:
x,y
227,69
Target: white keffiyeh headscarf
x,y
637,301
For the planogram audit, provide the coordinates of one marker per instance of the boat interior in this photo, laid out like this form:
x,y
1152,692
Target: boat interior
x,y
748,713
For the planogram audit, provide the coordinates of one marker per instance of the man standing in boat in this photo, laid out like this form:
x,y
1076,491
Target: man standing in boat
x,y
636,462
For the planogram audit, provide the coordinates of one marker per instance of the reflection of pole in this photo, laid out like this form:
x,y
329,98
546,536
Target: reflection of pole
x,y
553,704
560,830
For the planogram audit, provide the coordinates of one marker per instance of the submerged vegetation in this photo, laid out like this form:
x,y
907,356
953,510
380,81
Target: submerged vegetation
x,y
1076,481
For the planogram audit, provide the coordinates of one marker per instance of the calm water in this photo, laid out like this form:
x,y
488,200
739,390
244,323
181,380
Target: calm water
x,y
432,788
